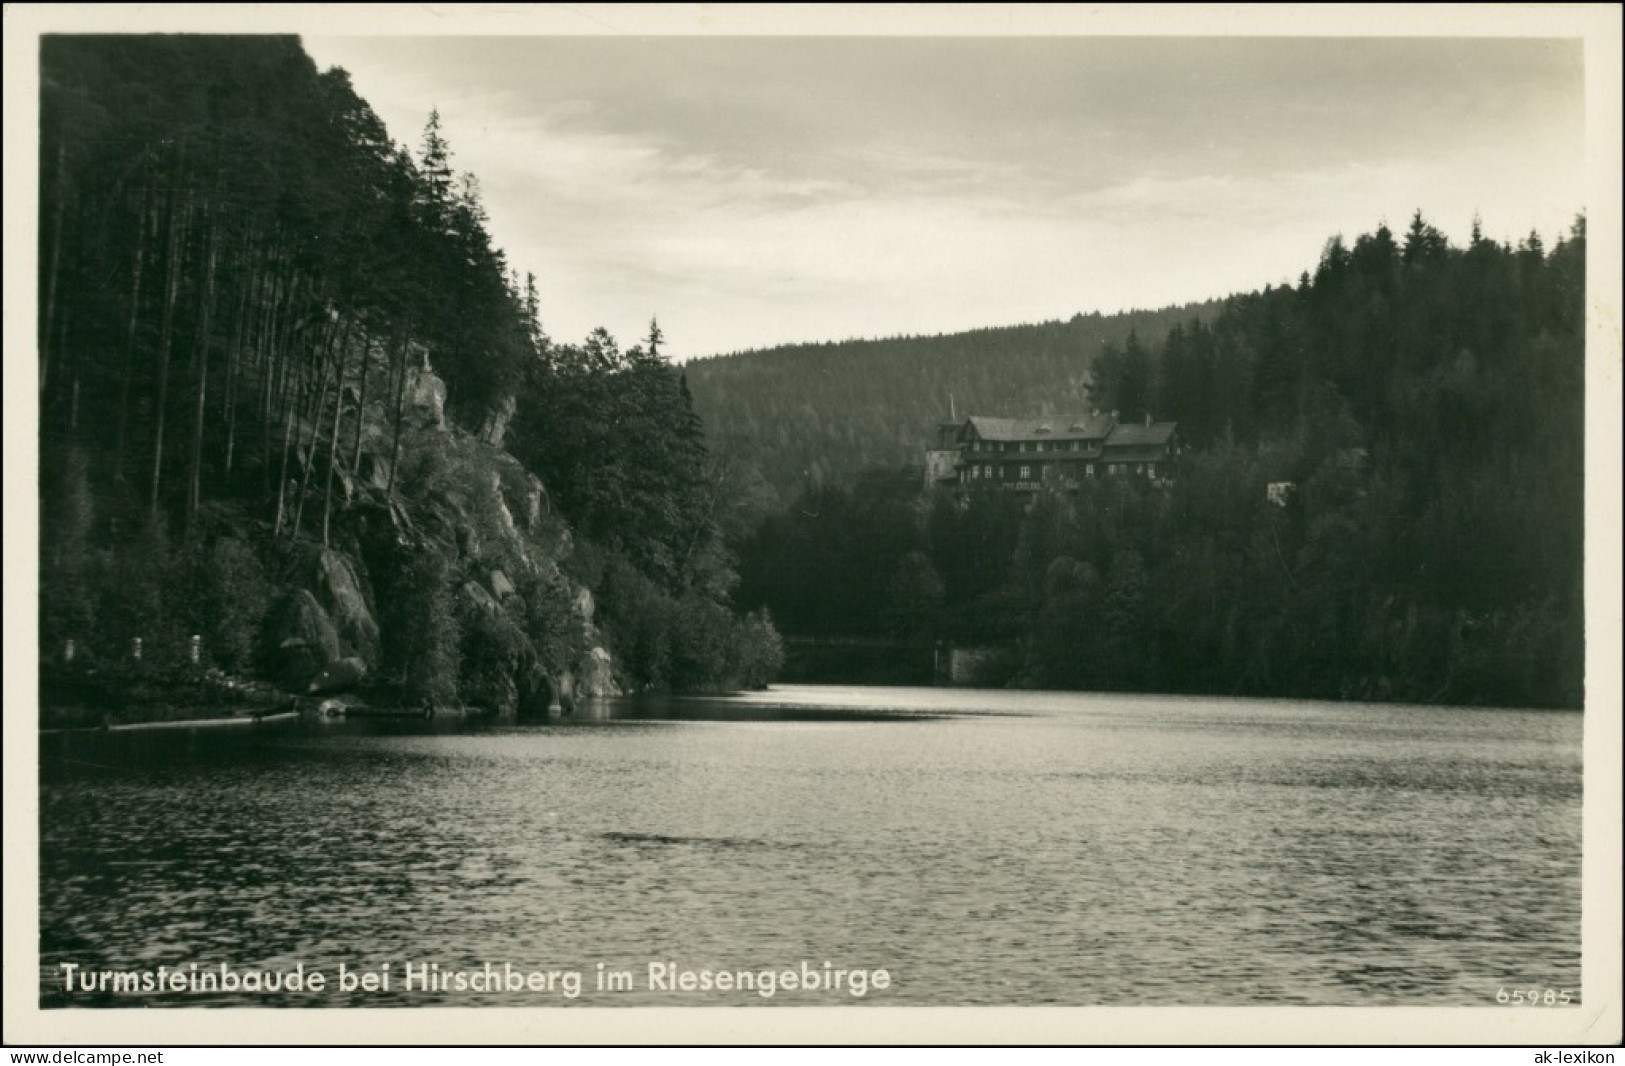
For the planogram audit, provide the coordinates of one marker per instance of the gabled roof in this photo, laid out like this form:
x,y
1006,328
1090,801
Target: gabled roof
x,y
1059,427
1136,435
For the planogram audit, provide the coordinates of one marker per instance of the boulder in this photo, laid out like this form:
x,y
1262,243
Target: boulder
x,y
338,706
339,591
507,530
501,586
444,516
495,425
302,638
374,471
300,619
597,675
534,504
424,402
340,675
474,595
344,483
584,604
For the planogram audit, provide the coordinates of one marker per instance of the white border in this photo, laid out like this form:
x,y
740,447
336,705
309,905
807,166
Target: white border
x,y
1598,1022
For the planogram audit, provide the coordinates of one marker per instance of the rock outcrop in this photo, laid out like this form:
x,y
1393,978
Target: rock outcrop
x,y
461,495
340,675
597,674
302,639
338,590
495,426
424,402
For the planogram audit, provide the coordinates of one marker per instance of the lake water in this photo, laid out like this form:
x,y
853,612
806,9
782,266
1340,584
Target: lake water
x,y
981,847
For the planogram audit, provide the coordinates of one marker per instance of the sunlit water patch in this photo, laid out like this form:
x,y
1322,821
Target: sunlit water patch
x,y
981,847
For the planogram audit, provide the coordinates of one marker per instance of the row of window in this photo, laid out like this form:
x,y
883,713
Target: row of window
x,y
1037,446
990,472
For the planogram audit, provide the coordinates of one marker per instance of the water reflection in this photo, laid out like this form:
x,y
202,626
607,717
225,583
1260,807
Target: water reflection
x,y
983,847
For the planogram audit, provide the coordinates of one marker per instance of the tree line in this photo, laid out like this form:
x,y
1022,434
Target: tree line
x,y
795,417
241,279
1418,409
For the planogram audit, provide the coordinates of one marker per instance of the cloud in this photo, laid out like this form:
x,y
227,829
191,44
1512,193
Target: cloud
x,y
750,191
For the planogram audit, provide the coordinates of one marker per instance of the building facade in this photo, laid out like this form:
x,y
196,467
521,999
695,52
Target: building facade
x,y
1028,454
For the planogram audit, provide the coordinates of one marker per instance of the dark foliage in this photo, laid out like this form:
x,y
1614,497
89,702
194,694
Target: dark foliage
x,y
241,279
1424,403
800,417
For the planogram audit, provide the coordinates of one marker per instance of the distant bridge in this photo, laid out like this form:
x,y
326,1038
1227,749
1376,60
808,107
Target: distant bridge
x,y
938,662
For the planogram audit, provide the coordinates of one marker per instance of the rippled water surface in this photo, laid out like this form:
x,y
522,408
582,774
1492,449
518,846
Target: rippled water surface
x,y
982,847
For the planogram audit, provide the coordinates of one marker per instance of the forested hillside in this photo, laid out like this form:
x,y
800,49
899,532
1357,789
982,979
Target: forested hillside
x,y
800,415
295,402
1419,409
284,376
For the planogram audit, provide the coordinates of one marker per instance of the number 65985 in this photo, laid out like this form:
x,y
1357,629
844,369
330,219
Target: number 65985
x,y
1535,997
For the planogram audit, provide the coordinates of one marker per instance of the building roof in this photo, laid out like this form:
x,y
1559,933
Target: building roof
x,y
1059,427
1137,435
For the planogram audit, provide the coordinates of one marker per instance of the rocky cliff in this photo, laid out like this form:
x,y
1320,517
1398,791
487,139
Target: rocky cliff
x,y
525,637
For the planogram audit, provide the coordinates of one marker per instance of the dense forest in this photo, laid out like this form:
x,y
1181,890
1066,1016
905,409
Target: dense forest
x,y
1418,409
798,416
295,403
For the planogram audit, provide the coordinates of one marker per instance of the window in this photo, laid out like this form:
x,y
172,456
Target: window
x,y
1023,445
1089,470
987,471
1074,445
1026,473
1139,468
1114,469
975,472
975,445
1151,468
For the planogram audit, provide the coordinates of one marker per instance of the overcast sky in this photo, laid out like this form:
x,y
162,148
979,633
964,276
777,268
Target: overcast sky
x,y
754,191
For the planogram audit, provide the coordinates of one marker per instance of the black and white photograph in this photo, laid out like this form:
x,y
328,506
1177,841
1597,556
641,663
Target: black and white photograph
x,y
736,521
